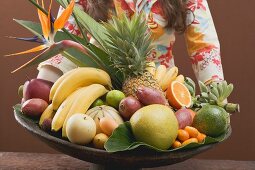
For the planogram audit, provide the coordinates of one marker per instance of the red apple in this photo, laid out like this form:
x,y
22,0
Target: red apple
x,y
37,88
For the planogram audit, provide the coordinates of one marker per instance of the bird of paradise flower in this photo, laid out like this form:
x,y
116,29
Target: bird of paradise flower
x,y
50,26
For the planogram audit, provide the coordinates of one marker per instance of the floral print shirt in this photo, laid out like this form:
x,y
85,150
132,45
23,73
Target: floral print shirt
x,y
201,37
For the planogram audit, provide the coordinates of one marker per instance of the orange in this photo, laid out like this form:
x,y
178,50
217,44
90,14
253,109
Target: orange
x,y
178,95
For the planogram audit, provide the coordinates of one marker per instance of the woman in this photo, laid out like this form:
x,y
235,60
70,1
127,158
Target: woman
x,y
165,18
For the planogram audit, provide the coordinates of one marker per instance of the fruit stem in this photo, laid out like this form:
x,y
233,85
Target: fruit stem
x,y
232,107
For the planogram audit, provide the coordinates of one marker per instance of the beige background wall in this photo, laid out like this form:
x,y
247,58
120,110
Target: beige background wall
x,y
235,23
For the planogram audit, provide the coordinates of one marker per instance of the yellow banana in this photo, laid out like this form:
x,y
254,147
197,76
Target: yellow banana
x,y
168,78
60,116
58,82
151,67
160,72
83,101
81,77
180,78
47,114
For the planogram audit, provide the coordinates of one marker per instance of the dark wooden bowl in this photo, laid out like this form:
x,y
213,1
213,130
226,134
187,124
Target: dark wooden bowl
x,y
121,160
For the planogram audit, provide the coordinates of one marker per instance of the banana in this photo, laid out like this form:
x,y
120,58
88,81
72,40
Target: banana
x,y
58,82
180,78
203,87
160,72
215,91
48,113
220,89
191,89
190,82
229,90
81,77
60,116
83,101
151,67
212,96
168,78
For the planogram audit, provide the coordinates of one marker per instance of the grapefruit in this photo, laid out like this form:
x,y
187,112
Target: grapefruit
x,y
155,125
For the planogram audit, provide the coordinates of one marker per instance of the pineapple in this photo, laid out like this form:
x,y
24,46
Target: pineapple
x,y
128,47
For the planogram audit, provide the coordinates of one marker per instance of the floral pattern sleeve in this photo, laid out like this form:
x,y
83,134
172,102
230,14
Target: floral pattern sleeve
x,y
202,42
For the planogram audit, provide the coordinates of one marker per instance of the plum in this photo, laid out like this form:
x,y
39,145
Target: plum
x,y
184,118
37,88
128,106
148,96
34,107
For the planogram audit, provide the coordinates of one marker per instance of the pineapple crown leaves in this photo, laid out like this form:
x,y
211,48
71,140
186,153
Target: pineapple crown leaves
x,y
129,44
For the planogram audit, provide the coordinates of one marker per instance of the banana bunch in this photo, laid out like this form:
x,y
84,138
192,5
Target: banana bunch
x,y
216,94
73,93
163,76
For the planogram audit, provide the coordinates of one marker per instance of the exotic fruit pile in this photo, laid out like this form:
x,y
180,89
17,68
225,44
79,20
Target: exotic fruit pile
x,y
140,104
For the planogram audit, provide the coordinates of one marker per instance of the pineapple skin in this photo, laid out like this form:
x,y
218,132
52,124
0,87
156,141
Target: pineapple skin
x,y
131,84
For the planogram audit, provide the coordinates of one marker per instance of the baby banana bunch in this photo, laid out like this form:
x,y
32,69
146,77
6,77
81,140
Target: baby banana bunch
x,y
73,93
217,94
164,76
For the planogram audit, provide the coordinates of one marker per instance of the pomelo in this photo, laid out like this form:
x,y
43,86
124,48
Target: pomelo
x,y
155,125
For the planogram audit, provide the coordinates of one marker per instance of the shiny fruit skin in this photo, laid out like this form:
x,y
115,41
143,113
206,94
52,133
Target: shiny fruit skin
x,y
155,125
148,96
80,129
34,107
128,106
193,132
114,97
37,88
176,144
191,140
201,137
184,118
107,125
99,140
182,135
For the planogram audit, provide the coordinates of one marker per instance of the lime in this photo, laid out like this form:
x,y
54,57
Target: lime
x,y
155,125
114,97
98,102
211,120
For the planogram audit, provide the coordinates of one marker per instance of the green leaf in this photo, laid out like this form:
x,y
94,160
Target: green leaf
x,y
17,109
33,27
123,139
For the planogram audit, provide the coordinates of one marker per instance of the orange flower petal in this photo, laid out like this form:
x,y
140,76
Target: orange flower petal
x,y
60,21
24,65
44,22
36,49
